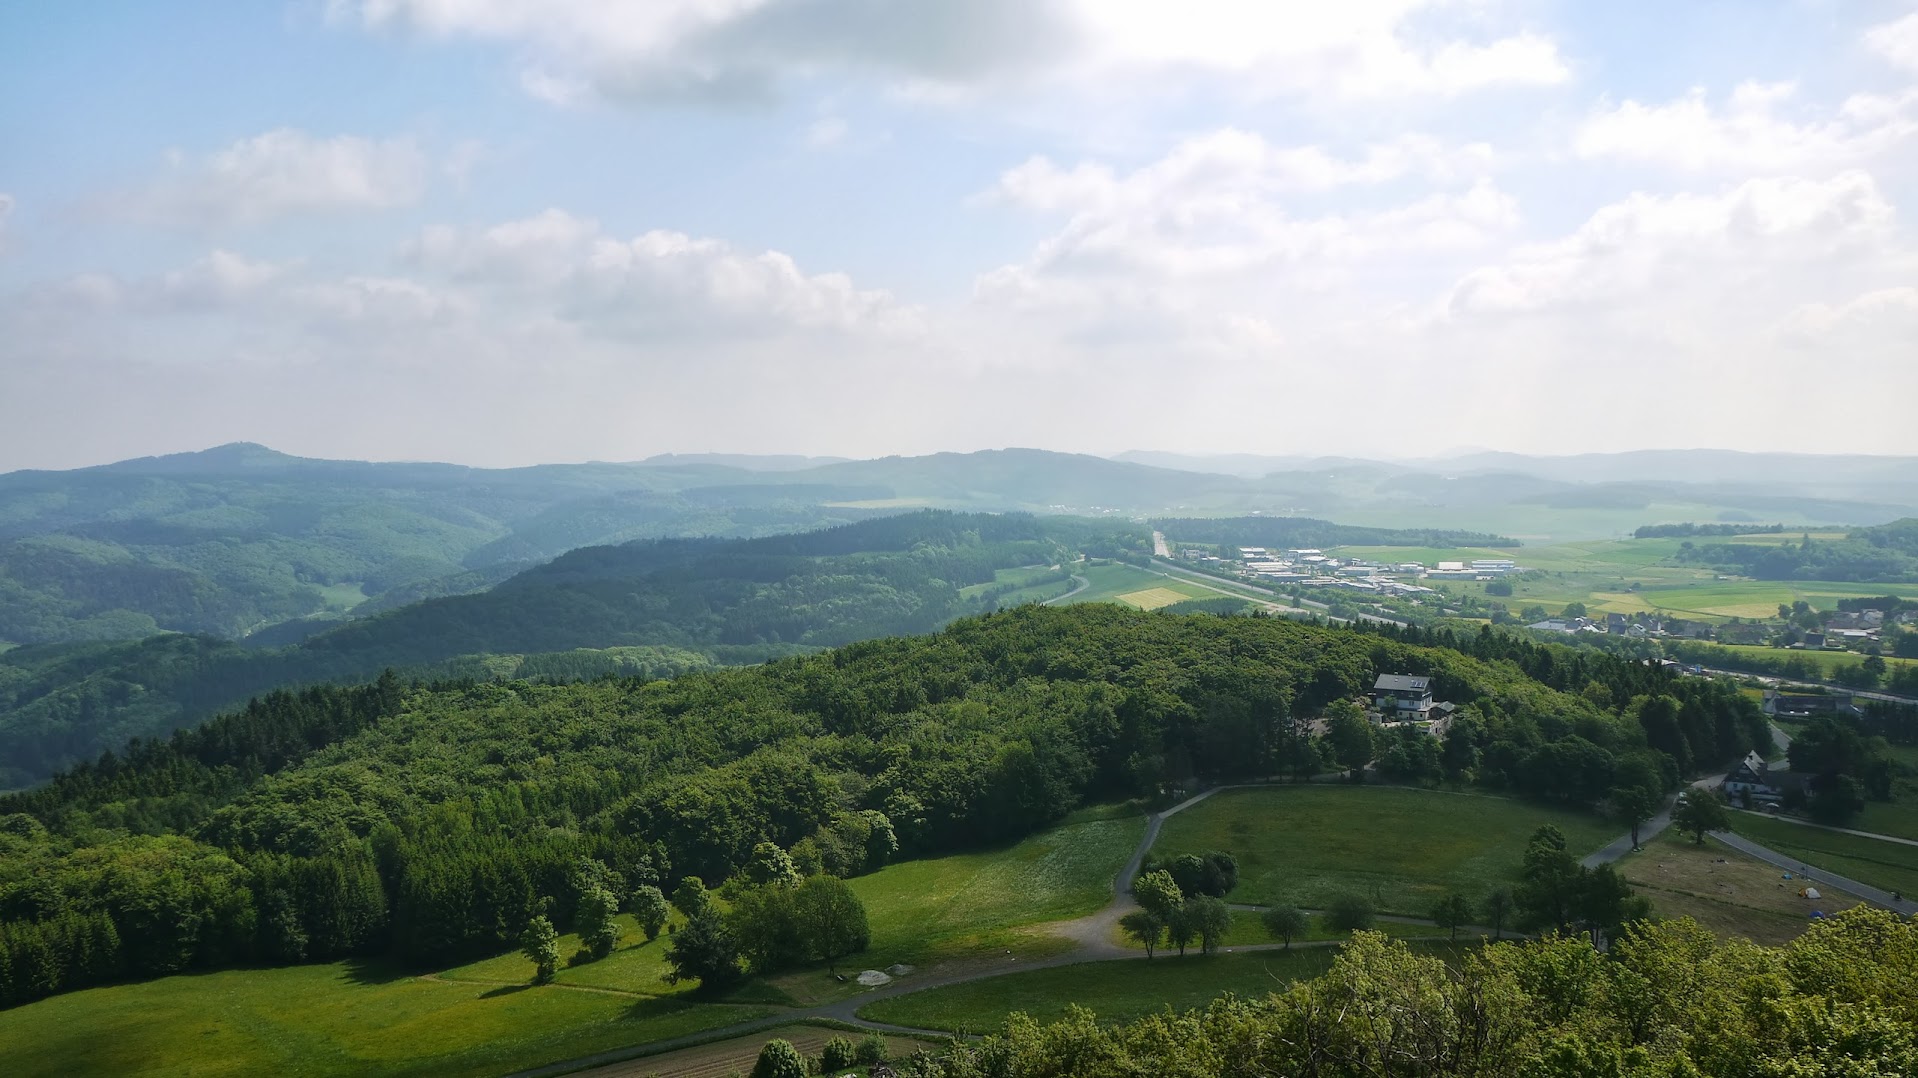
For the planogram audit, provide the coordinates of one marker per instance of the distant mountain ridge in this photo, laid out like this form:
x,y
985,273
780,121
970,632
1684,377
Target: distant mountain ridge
x,y
242,539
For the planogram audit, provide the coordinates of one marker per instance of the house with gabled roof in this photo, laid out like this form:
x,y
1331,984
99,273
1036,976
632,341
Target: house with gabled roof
x,y
1402,697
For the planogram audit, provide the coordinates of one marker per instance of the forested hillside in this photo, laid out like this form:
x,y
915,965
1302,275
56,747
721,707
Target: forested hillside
x,y
429,822
239,538
687,602
1303,532
1881,555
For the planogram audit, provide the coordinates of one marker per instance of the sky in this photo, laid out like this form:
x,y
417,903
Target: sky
x,y
502,233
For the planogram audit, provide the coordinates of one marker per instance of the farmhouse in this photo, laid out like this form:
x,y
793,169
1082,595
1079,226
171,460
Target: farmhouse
x,y
1402,698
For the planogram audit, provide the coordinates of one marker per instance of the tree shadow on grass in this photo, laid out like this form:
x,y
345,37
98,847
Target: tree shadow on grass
x,y
373,971
504,990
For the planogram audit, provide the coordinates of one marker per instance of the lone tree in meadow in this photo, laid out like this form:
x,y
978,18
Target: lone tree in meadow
x,y
597,928
1285,922
705,951
1633,805
1211,920
540,944
1349,913
1158,894
832,918
691,897
1703,810
650,910
1144,926
1498,907
1451,912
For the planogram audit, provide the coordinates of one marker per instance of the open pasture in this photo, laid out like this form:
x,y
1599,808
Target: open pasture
x,y
1892,866
1116,991
344,1018
1401,848
944,907
1733,895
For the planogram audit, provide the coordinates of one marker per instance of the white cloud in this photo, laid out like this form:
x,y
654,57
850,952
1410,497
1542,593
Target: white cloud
x,y
1896,41
1751,132
1224,227
659,281
744,49
1636,250
1234,161
281,173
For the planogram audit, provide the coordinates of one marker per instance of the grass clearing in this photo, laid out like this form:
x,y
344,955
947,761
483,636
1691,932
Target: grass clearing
x,y
1402,848
1116,991
969,903
1111,582
1153,598
1890,866
341,1018
736,1056
1729,893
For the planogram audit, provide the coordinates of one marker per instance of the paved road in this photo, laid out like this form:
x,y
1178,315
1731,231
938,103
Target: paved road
x,y
1650,829
1079,584
1799,869
1828,827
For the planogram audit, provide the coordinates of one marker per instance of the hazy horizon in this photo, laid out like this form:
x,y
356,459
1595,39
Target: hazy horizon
x,y
499,234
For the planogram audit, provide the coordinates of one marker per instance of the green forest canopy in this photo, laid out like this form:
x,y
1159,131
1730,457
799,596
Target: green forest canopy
x,y
685,603
428,822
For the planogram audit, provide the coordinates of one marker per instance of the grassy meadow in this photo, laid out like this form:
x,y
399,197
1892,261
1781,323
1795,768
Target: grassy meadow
x,y
339,1018
943,907
1891,866
1116,991
1401,848
1733,895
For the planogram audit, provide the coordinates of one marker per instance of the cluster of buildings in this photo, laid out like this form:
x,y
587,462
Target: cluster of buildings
x,y
1308,567
1620,625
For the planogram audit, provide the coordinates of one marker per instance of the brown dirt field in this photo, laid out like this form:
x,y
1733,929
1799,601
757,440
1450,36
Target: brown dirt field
x,y
722,1058
1727,892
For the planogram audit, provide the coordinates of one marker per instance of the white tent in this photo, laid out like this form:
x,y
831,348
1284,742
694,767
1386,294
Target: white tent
x,y
1812,892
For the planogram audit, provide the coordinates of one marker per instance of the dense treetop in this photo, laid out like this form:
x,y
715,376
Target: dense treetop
x,y
428,820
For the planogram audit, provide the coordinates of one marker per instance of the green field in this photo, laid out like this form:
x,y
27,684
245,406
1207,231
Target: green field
x,y
1891,866
1115,991
1022,576
943,907
1110,583
1826,662
341,1018
1401,848
1733,895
